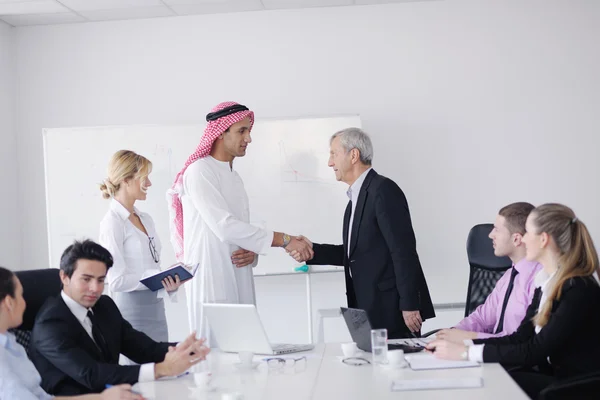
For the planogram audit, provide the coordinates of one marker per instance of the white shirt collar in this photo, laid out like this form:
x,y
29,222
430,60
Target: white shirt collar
x,y
542,278
120,209
79,311
354,190
543,281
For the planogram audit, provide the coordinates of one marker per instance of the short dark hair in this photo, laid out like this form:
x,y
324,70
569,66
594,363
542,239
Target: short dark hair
x,y
86,250
7,283
516,215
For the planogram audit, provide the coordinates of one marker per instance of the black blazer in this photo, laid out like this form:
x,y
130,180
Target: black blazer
x,y
568,338
386,273
70,362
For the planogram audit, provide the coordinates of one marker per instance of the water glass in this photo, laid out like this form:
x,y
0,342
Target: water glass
x,y
379,346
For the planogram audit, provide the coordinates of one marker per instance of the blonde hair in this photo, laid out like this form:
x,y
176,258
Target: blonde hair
x,y
124,165
577,254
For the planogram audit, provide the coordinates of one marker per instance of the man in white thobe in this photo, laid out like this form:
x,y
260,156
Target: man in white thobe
x,y
210,217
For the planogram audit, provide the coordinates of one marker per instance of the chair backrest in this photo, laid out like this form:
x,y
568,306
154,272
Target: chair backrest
x,y
38,285
485,268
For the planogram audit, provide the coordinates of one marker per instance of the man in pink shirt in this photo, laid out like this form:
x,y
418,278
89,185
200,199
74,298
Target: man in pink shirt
x,y
505,307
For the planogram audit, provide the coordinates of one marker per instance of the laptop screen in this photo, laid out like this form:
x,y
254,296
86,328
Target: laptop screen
x,y
359,327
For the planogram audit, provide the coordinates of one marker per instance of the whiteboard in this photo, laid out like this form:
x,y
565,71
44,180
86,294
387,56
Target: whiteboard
x,y
285,172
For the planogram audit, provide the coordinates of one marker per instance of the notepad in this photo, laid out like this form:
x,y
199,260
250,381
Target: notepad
x,y
432,384
154,282
422,361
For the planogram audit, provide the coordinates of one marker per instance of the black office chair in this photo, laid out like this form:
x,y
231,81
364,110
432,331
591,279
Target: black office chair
x,y
38,285
581,387
485,269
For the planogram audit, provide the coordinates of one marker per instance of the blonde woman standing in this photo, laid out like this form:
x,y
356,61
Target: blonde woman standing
x,y
131,238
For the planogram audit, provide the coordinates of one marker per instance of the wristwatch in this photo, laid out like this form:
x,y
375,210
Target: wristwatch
x,y
286,239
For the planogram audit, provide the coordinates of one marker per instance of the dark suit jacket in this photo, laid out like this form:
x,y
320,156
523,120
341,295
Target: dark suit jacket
x,y
386,273
70,362
569,337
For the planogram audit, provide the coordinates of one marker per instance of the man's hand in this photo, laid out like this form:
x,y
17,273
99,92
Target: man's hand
x,y
447,350
300,249
171,285
242,258
120,392
304,238
178,359
413,320
455,335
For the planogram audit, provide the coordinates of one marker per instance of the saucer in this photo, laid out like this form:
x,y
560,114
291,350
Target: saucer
x,y
394,366
241,366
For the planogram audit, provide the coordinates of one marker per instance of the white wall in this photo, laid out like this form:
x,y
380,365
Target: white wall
x,y
10,232
448,85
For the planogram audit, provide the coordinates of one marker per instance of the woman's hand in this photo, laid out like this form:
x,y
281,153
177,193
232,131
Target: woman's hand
x,y
171,285
119,392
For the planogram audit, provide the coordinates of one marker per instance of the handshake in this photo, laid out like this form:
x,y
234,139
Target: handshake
x,y
300,249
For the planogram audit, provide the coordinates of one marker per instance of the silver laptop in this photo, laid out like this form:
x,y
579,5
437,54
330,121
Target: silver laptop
x,y
237,327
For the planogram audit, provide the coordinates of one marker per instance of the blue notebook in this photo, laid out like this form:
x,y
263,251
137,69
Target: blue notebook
x,y
154,282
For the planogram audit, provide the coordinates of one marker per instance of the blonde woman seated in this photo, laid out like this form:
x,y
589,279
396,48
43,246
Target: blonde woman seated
x,y
131,238
556,339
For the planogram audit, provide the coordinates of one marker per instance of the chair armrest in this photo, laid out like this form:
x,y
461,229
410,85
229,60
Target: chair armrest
x,y
430,333
580,387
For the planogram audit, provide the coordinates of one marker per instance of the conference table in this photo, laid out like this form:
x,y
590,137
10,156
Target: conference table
x,y
321,375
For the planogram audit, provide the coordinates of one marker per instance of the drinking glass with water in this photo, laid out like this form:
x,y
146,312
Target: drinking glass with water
x,y
379,346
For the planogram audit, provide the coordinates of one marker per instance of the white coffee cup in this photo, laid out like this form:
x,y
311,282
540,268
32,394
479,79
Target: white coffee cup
x,y
396,358
246,357
202,379
349,349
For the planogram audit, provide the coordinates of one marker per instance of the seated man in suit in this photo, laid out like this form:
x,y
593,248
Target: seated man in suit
x,y
505,307
18,377
379,251
78,336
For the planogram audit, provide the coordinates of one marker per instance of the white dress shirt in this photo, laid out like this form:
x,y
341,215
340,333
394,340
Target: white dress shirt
x,y
353,192
80,312
130,248
544,281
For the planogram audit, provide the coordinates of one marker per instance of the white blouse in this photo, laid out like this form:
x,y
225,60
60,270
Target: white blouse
x,y
132,249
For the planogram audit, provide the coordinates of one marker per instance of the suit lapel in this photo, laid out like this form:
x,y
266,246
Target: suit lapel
x,y
102,327
358,211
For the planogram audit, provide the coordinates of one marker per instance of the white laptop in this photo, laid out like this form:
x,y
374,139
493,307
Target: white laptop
x,y
237,327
